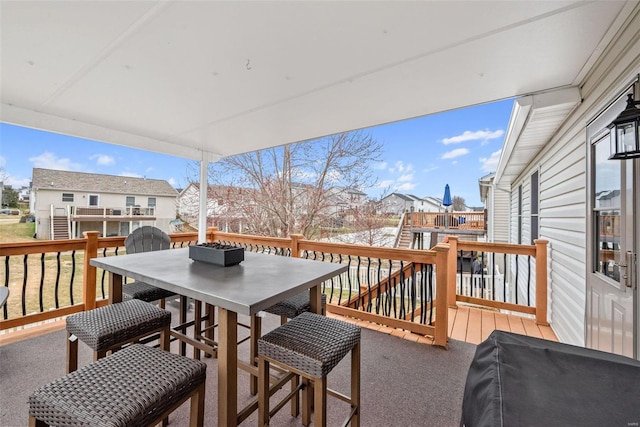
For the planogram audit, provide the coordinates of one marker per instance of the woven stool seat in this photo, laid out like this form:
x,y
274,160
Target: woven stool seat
x,y
309,346
144,292
294,306
310,343
136,386
118,323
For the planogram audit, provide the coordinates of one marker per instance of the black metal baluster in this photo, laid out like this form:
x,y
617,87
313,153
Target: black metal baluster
x,y
504,278
73,274
369,295
24,285
5,310
58,271
41,282
516,287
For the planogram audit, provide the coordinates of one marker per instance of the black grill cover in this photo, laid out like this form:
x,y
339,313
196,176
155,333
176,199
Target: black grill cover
x,y
516,380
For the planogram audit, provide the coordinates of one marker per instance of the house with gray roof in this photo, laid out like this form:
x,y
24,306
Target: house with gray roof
x,y
398,203
66,204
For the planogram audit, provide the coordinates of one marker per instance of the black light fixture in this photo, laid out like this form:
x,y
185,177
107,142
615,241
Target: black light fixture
x,y
625,141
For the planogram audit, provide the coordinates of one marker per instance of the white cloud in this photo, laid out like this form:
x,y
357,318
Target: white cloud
x,y
468,135
172,182
400,167
430,169
491,164
406,186
3,161
380,165
406,177
103,159
455,153
49,160
385,183
130,174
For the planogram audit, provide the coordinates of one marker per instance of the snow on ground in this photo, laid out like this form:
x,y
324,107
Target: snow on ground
x,y
384,237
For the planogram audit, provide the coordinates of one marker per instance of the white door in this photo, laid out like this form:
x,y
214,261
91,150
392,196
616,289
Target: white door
x,y
612,301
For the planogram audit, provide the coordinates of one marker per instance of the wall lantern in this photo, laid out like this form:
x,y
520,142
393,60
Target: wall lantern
x,y
625,143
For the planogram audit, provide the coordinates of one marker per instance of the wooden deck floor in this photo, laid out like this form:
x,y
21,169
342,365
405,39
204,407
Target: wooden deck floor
x,y
474,325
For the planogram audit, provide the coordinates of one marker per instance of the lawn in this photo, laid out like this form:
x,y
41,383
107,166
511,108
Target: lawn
x,y
11,231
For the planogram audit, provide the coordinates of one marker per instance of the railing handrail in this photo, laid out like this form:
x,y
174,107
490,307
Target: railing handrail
x,y
443,256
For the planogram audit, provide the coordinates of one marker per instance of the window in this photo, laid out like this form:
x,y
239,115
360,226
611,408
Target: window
x,y
606,210
131,201
93,200
534,206
67,197
151,202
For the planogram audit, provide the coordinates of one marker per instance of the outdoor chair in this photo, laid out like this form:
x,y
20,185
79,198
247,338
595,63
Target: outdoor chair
x,y
144,239
287,309
137,386
310,346
110,327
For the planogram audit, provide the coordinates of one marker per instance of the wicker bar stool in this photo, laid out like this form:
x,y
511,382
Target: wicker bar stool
x,y
287,309
110,327
310,345
137,386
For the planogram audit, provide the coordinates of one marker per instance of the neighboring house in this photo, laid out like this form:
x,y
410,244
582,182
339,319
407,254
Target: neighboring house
x,y
222,205
66,204
398,203
563,188
344,200
23,194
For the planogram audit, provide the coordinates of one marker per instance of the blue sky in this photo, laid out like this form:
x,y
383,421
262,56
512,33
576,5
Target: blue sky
x,y
420,155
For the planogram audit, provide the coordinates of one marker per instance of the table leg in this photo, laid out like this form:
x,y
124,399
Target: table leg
x,y
227,368
315,301
115,288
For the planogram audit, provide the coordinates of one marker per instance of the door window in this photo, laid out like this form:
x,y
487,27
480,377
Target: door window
x,y
606,213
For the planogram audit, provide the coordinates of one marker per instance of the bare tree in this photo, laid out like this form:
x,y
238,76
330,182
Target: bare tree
x,y
287,188
459,204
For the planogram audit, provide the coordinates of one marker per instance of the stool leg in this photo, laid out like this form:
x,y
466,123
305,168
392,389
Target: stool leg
x,y
307,398
36,423
196,418
263,392
320,402
256,332
197,326
184,306
210,312
355,384
72,352
165,339
295,399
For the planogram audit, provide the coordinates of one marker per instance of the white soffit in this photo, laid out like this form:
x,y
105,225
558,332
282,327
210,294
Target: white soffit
x,y
534,120
187,77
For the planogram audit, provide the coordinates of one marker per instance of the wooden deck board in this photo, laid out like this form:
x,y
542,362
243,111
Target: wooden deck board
x,y
488,323
459,331
474,325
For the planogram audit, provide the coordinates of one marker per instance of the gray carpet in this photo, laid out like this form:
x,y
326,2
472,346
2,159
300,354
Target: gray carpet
x,y
403,383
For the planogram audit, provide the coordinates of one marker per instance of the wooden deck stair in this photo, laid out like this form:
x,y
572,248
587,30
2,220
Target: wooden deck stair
x,y
60,228
406,237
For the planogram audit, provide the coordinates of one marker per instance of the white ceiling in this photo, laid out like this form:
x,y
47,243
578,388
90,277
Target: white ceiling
x,y
186,77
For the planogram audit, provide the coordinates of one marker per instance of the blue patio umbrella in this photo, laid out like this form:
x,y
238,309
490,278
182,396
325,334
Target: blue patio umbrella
x,y
446,202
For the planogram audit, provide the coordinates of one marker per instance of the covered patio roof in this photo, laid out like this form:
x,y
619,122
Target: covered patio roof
x,y
207,79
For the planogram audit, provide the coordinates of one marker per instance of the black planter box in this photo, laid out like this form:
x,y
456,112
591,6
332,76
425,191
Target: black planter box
x,y
219,255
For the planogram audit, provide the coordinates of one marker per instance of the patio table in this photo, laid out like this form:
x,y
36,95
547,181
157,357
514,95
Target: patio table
x,y
257,283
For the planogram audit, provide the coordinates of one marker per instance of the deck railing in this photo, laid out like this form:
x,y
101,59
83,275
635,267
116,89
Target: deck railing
x,y
454,220
392,287
499,275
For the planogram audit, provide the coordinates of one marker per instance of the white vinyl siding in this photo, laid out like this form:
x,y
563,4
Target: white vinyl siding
x,y
500,216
